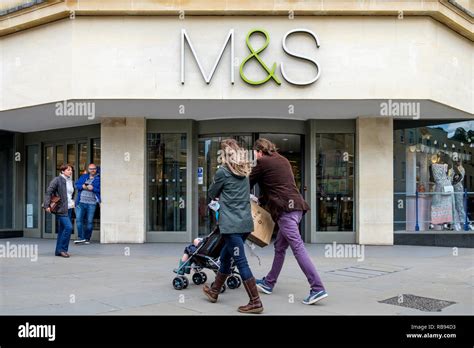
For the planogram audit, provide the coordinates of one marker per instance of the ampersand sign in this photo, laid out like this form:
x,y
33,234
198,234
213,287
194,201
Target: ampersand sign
x,y
254,54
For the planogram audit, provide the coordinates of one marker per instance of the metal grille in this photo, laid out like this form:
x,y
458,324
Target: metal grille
x,y
366,271
424,304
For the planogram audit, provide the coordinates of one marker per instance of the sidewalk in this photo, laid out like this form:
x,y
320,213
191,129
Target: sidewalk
x,y
136,279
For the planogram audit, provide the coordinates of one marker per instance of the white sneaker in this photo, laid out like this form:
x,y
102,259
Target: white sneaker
x,y
80,241
87,242
457,227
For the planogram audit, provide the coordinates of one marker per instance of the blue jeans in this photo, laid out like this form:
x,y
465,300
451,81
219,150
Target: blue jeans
x,y
64,232
234,249
87,211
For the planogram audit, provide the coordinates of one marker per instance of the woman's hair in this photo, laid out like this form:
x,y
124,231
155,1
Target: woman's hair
x,y
64,167
265,145
235,158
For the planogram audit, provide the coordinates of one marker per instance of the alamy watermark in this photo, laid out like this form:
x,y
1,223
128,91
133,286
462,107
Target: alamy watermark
x,y
336,250
28,330
25,251
75,109
400,109
236,157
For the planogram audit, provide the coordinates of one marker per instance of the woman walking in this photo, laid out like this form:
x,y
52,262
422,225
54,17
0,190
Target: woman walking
x,y
231,186
63,187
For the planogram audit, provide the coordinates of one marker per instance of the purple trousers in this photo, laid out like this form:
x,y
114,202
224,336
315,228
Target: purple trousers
x,y
289,236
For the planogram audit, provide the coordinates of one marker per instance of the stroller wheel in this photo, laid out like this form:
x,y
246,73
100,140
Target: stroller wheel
x,y
222,289
185,281
204,277
197,278
178,283
233,282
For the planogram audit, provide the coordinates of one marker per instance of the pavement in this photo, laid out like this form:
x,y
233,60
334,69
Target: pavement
x,y
136,279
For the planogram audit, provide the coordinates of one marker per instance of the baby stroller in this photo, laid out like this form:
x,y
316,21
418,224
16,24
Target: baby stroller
x,y
206,256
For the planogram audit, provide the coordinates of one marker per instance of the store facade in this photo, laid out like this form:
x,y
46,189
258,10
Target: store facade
x,y
148,99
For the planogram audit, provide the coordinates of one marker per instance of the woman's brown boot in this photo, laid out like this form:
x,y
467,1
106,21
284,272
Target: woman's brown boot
x,y
213,292
254,305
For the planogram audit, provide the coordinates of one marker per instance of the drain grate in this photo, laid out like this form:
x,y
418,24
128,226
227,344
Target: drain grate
x,y
367,271
424,304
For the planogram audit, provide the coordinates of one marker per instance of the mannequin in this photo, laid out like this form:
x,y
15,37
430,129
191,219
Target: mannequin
x,y
458,184
442,203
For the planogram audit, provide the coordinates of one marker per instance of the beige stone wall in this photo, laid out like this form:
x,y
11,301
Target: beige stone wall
x,y
52,10
123,180
374,186
139,58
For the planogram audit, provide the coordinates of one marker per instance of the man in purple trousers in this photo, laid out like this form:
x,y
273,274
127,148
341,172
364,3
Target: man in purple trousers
x,y
275,178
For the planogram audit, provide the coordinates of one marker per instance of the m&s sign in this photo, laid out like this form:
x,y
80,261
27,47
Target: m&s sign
x,y
254,54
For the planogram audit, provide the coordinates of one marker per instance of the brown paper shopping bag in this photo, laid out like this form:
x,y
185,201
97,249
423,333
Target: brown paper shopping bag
x,y
263,226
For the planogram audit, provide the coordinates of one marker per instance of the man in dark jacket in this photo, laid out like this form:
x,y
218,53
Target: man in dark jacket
x,y
282,198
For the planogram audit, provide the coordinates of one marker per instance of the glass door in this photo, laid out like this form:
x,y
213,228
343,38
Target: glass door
x,y
335,170
166,180
289,145
76,153
208,146
49,174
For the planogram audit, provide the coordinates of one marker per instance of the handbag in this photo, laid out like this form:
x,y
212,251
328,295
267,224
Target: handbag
x,y
448,189
54,204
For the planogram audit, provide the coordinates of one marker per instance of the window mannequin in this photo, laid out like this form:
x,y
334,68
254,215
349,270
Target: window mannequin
x,y
458,184
442,202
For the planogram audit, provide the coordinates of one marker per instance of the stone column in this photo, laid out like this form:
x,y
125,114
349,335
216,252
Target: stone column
x,y
123,207
374,206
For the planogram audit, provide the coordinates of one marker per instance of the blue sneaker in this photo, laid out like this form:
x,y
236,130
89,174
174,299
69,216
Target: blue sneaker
x,y
263,287
315,296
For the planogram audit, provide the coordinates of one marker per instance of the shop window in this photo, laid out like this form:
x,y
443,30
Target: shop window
x,y
335,182
437,190
6,179
82,152
59,158
32,193
166,179
71,159
95,157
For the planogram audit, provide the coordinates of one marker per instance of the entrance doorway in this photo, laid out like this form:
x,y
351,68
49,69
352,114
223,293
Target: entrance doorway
x,y
289,145
75,153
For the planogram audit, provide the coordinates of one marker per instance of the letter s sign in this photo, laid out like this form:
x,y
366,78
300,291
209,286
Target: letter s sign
x,y
300,56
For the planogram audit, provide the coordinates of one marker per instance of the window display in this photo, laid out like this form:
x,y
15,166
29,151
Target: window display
x,y
433,178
